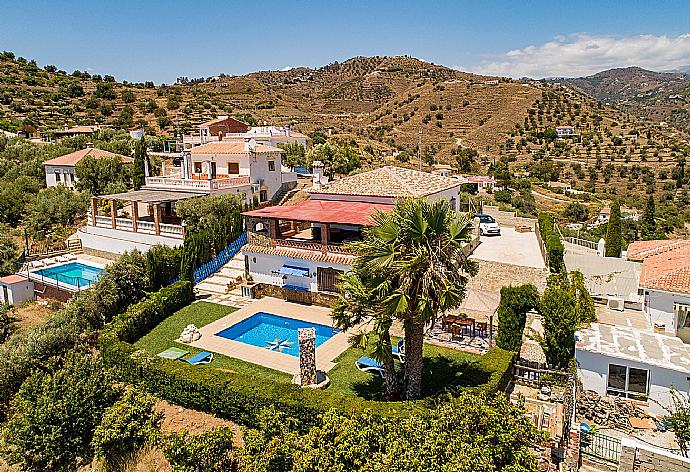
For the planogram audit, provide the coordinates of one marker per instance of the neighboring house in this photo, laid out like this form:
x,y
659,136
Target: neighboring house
x,y
143,218
80,130
560,186
443,170
665,284
635,364
301,248
225,128
604,215
61,170
482,182
565,131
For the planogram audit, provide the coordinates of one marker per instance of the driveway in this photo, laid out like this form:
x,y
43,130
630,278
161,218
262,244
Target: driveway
x,y
511,247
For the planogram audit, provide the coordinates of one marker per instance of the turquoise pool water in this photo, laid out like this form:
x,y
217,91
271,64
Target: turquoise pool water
x,y
276,333
73,273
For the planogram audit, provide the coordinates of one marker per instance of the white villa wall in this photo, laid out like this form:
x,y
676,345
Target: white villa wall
x,y
592,371
658,306
262,266
447,194
64,171
17,292
116,241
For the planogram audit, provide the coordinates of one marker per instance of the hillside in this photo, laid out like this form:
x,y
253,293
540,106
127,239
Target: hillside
x,y
660,96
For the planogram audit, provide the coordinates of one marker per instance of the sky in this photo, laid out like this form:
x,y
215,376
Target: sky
x,y
160,41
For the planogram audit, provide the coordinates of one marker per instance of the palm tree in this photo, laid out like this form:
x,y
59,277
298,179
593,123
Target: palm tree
x,y
418,251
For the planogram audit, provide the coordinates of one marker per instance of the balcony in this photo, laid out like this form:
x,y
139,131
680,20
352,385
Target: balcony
x,y
206,185
142,226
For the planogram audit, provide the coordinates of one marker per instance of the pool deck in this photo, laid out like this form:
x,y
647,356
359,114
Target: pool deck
x,y
325,353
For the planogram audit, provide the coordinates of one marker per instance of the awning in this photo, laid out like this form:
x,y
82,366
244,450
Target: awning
x,y
152,196
324,211
293,270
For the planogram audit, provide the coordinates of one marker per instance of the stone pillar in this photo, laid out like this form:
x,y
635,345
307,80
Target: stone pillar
x,y
94,210
157,218
307,356
273,231
325,227
113,213
135,216
572,455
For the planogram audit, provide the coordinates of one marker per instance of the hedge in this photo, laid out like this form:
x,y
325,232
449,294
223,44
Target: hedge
x,y
554,246
238,397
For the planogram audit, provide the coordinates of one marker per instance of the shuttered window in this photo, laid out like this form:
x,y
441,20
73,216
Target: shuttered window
x,y
327,279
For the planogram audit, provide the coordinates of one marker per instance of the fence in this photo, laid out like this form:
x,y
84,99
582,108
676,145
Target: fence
x,y
212,266
600,446
529,373
582,242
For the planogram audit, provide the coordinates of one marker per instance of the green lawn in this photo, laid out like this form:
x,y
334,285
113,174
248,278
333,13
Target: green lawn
x,y
444,369
202,313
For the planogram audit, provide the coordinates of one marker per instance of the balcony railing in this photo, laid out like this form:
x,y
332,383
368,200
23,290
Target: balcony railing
x,y
312,246
193,184
146,227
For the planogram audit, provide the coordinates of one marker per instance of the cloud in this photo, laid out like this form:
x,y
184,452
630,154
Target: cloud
x,y
583,54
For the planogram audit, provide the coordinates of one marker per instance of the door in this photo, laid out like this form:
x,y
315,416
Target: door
x,y
327,279
213,170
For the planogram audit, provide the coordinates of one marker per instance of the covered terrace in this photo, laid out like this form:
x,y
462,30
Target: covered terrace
x,y
320,225
140,211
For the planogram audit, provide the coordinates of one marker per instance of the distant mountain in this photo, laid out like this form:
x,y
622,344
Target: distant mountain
x,y
615,85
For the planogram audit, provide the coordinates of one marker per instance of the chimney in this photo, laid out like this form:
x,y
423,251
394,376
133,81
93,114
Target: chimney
x,y
89,145
317,174
246,144
287,131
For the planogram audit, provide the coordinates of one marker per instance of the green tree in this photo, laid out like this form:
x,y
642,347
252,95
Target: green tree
x,y
210,451
678,420
648,220
294,155
560,320
8,251
126,426
55,207
614,238
466,158
512,313
54,415
338,159
418,247
575,211
94,175
139,164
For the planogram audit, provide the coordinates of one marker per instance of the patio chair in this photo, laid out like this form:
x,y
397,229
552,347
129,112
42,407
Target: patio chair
x,y
199,359
367,364
399,350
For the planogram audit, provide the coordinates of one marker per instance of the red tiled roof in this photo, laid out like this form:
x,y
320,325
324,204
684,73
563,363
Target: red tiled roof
x,y
12,279
73,158
669,270
324,211
639,250
232,147
316,256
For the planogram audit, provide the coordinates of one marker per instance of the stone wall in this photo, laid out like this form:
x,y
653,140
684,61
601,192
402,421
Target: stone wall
x,y
494,275
104,254
641,457
314,298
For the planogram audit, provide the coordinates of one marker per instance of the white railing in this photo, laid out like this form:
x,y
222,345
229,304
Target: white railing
x,y
123,223
176,230
193,184
148,227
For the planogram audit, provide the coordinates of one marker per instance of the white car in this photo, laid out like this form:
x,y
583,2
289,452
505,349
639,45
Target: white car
x,y
488,225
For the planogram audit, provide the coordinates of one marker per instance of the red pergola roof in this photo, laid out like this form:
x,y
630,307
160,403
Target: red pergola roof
x,y
324,211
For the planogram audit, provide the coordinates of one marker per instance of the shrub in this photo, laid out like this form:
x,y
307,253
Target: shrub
x,y
54,415
552,241
126,426
503,196
614,238
512,313
209,451
162,265
7,323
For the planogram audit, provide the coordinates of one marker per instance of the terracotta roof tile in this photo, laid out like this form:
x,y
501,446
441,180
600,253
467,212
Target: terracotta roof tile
x,y
668,270
232,147
344,259
388,181
12,279
639,250
73,158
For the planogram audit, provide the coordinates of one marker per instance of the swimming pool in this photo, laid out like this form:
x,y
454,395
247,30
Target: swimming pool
x,y
73,273
275,333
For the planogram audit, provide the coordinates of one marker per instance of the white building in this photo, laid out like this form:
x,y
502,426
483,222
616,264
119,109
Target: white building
x,y
301,248
15,289
665,284
225,128
61,170
635,364
565,131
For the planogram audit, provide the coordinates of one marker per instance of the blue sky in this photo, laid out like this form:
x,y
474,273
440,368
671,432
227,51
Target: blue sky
x,y
160,41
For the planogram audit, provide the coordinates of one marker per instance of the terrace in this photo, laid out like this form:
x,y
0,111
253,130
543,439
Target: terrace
x,y
198,182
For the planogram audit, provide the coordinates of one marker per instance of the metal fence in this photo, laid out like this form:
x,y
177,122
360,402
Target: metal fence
x,y
211,267
600,446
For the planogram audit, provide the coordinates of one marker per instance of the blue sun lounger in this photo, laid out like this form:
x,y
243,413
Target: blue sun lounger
x,y
399,350
367,364
199,359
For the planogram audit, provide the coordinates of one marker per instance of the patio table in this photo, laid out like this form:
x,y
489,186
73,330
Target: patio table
x,y
173,353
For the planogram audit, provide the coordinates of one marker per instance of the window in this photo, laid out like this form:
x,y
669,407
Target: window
x,y
327,279
197,167
233,168
628,382
271,166
682,311
57,176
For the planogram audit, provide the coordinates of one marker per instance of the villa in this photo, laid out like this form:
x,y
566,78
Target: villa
x,y
61,170
225,128
301,248
565,131
146,217
80,130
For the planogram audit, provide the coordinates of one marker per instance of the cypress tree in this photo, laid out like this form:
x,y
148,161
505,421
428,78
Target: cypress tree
x,y
648,222
614,240
138,166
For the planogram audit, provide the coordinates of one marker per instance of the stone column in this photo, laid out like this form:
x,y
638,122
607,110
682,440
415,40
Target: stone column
x,y
273,231
113,214
325,227
307,356
135,216
157,218
572,455
94,210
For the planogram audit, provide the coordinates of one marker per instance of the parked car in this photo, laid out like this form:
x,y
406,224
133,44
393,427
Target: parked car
x,y
488,225
177,161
